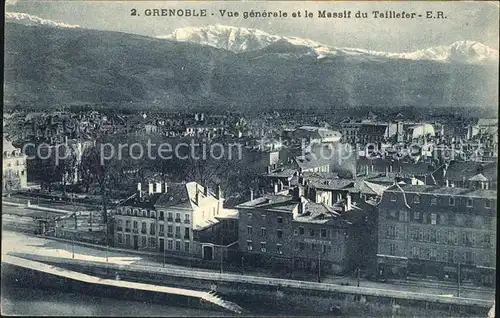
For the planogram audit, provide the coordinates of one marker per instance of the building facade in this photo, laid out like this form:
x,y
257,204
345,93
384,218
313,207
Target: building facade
x,y
14,173
438,231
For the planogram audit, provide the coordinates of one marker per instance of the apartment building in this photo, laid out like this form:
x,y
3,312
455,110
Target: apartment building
x,y
293,232
166,216
14,174
433,230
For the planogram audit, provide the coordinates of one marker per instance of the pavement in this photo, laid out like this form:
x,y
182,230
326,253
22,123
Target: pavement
x,y
13,241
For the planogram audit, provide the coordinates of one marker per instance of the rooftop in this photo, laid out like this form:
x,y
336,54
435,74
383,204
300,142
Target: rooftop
x,y
450,191
283,203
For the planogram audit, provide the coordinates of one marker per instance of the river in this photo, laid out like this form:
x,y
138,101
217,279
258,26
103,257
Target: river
x,y
37,302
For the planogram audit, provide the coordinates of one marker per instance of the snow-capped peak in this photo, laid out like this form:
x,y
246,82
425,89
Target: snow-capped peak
x,y
28,19
238,40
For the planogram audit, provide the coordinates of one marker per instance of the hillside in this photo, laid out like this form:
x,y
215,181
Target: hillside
x,y
51,66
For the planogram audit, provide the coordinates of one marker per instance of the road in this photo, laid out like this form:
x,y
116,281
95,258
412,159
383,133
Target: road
x,y
24,243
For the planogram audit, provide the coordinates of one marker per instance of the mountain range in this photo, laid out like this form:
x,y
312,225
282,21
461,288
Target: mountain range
x,y
240,40
218,67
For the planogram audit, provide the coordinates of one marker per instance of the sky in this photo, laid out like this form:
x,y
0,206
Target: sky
x,y
476,21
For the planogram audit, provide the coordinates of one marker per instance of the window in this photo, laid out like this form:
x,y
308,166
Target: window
x,y
127,239
442,219
486,240
177,217
279,233
186,233
119,238
187,218
403,215
152,229
127,226
279,249
152,242
323,232
416,199
162,229
296,232
432,235
249,245
420,234
450,256
313,246
416,215
178,231
487,204
451,201
143,228
311,232
392,249
162,215
144,242
469,203
414,252
249,230
263,247
280,219
302,246
186,247
177,245
170,218
433,218
119,225
301,230
170,229
136,224
249,215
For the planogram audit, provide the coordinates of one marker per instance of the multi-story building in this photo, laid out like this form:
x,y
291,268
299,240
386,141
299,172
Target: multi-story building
x,y
439,231
14,174
166,217
292,232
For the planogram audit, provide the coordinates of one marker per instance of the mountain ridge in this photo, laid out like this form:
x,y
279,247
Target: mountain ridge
x,y
240,40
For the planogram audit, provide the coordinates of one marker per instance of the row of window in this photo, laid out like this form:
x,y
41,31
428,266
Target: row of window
x,y
450,237
152,229
438,218
323,233
151,243
298,246
444,255
152,214
451,201
18,163
264,217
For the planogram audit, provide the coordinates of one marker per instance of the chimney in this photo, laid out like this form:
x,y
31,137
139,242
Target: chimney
x,y
268,169
280,185
386,170
205,190
366,170
139,190
348,204
165,187
447,183
275,187
251,194
400,169
390,168
302,206
218,192
150,188
158,187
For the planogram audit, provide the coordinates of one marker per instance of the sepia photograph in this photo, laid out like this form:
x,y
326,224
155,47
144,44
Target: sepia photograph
x,y
250,158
